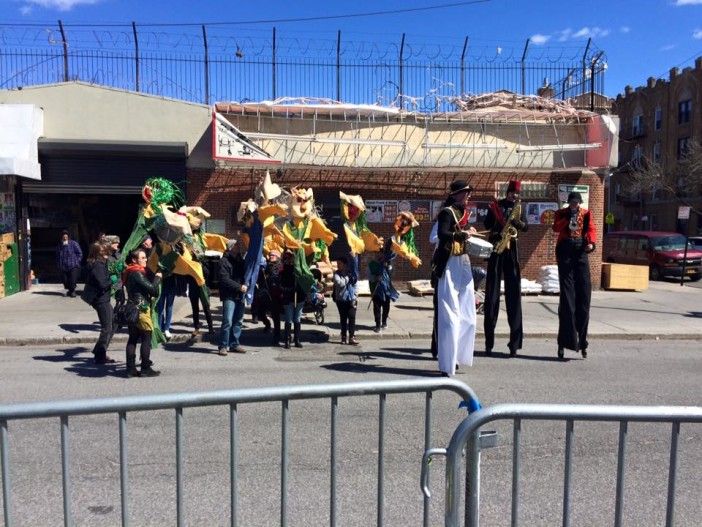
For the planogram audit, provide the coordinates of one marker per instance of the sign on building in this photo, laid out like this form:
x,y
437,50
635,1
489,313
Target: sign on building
x,y
565,189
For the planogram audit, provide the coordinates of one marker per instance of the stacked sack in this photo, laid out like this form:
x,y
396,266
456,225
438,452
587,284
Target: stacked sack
x,y
548,278
527,287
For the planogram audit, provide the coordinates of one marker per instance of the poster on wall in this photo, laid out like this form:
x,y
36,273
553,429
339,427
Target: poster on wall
x,y
8,220
477,210
564,190
419,207
381,210
540,213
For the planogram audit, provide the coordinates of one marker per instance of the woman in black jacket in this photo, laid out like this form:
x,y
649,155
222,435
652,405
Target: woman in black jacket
x,y
140,292
97,294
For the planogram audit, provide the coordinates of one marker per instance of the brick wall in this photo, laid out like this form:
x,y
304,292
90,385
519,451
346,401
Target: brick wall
x,y
221,190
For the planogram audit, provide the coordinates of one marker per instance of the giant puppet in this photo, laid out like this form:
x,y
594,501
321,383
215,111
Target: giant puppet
x,y
359,238
257,217
180,239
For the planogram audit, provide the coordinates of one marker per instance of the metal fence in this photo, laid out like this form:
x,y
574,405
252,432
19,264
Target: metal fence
x,y
63,410
207,66
466,439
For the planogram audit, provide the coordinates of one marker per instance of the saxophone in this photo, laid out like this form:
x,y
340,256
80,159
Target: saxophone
x,y
509,231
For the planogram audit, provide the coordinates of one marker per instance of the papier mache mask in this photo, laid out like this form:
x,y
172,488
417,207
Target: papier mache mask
x,y
403,238
302,202
358,235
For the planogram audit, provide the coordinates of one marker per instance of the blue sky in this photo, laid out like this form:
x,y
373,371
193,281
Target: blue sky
x,y
641,38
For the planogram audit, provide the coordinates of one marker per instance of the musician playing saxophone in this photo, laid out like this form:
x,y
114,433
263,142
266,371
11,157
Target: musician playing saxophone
x,y
505,220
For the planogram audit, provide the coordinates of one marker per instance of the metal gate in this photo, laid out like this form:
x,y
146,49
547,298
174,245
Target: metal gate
x,y
467,439
123,405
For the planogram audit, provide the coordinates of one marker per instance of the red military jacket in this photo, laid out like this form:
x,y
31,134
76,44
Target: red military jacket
x,y
586,227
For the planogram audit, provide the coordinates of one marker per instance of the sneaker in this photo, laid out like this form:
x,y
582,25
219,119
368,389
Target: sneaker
x,y
237,349
376,329
149,372
384,326
222,352
353,341
584,353
343,339
168,334
132,372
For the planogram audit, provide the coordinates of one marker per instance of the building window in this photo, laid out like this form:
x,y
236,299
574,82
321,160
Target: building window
x,y
529,190
637,125
636,156
656,152
684,111
658,119
683,146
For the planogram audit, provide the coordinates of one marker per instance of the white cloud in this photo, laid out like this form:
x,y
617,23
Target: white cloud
x,y
667,47
688,2
564,34
60,5
591,32
26,10
697,33
624,29
539,39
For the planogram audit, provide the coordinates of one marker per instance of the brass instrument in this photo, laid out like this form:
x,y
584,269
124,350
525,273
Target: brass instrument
x,y
509,231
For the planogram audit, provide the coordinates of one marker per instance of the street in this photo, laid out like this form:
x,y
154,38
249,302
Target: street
x,y
638,372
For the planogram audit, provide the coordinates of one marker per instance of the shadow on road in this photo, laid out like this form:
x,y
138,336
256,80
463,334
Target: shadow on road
x,y
77,328
83,366
364,367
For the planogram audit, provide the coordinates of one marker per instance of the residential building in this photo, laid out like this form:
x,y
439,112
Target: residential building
x,y
658,123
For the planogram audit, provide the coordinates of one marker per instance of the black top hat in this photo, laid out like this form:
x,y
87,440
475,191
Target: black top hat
x,y
459,186
575,196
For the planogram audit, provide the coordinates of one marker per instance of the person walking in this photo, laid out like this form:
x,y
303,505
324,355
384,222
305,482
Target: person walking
x,y
504,215
164,306
382,290
68,261
346,298
455,305
231,291
293,300
141,293
97,293
576,239
272,276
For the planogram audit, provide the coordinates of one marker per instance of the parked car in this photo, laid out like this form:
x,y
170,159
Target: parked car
x,y
696,242
662,252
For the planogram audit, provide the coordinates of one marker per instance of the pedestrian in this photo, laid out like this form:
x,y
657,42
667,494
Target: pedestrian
x,y
346,298
505,218
293,300
113,241
164,306
434,240
97,293
231,290
141,293
272,276
148,245
68,261
382,290
455,305
261,299
576,239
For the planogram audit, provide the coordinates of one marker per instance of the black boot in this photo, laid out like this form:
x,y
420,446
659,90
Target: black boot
x,y
131,367
146,369
297,335
286,336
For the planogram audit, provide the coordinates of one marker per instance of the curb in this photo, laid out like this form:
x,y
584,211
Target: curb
x,y
184,338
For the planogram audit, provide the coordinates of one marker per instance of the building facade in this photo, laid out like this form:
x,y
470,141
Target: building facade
x,y
658,123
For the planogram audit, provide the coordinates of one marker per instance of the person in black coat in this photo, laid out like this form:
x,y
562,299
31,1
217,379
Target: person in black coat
x,y
141,292
505,264
231,291
96,292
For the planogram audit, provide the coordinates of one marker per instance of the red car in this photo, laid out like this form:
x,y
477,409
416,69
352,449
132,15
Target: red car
x,y
662,252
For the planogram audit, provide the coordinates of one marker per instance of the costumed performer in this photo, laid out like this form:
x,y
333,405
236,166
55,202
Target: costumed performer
x,y
455,307
306,237
576,239
505,219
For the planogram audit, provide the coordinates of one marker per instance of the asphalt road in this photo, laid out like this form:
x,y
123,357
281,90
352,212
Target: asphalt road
x,y
616,372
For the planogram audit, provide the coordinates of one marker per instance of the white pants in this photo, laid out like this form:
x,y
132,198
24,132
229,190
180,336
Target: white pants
x,y
456,315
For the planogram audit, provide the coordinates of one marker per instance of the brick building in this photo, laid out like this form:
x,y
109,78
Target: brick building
x,y
658,122
397,160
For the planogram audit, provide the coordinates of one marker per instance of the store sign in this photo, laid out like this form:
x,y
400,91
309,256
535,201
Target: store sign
x,y
684,213
419,207
381,210
540,213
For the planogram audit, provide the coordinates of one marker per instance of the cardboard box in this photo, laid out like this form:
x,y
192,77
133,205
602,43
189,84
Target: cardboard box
x,y
7,238
624,277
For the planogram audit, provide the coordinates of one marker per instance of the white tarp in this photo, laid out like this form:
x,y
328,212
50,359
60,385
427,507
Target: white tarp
x,y
21,125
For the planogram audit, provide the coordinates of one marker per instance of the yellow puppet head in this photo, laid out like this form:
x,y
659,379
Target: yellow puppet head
x,y
196,215
352,206
302,199
404,222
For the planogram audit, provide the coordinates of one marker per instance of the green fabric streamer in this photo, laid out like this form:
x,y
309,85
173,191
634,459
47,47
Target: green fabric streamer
x,y
303,274
409,240
322,249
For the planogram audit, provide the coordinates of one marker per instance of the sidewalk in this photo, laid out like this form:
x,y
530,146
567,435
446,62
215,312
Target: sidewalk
x,y
44,315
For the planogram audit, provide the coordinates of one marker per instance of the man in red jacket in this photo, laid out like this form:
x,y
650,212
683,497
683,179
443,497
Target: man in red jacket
x,y
576,239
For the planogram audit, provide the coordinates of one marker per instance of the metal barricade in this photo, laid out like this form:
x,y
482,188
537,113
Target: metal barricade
x,y
466,438
123,405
